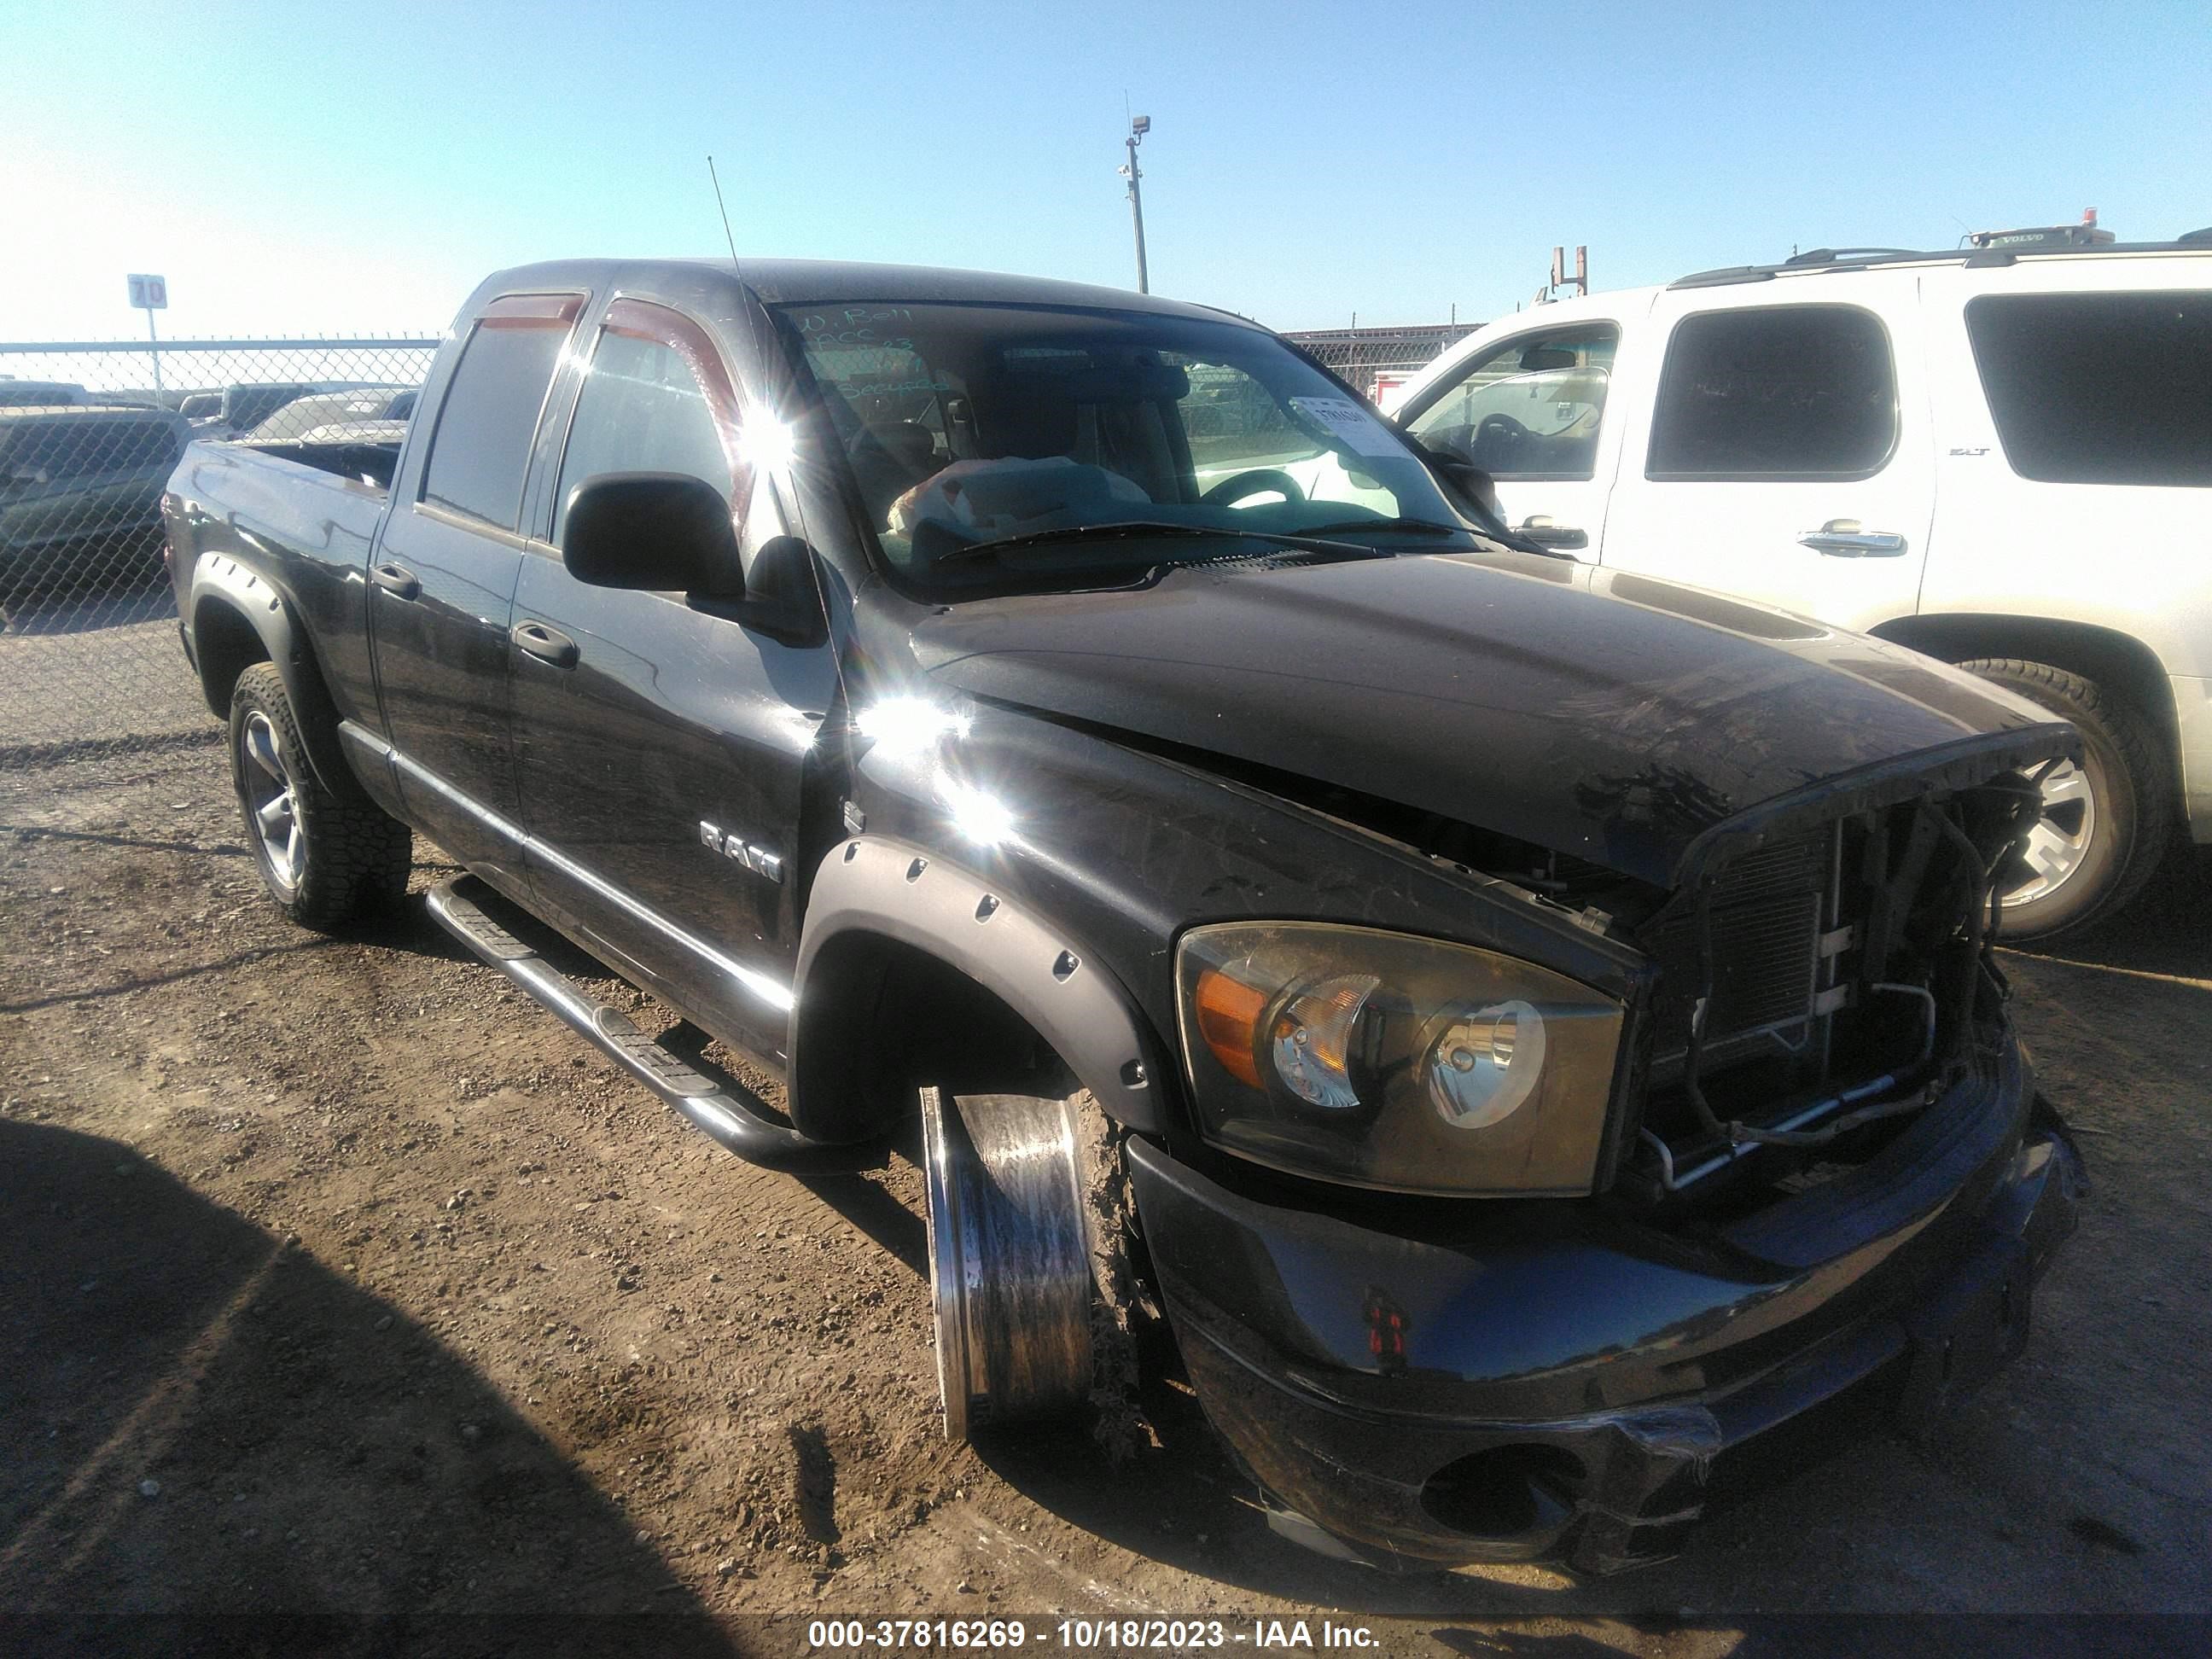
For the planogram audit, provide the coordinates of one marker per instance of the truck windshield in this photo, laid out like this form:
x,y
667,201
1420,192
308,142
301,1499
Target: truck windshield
x,y
967,427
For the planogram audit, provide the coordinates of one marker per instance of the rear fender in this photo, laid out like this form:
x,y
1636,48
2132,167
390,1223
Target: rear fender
x,y
225,596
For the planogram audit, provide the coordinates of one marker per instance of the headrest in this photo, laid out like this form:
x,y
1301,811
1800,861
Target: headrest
x,y
1032,404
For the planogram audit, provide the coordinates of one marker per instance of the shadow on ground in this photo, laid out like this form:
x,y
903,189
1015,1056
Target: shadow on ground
x,y
2167,931
201,1418
60,612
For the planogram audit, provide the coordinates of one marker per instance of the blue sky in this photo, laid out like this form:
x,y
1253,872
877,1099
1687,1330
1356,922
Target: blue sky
x,y
316,168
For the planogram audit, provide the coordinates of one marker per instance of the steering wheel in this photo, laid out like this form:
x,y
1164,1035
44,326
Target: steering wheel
x,y
1502,431
1230,491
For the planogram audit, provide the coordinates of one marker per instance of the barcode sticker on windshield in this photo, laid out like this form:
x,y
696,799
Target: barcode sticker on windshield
x,y
1348,421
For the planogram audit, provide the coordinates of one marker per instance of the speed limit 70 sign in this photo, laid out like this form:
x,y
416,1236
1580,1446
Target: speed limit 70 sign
x,y
149,293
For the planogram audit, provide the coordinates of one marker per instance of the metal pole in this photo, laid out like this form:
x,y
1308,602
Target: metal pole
x,y
156,345
1139,126
1136,212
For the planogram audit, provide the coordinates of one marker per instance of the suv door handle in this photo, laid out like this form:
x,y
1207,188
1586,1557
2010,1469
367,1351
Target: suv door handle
x,y
1546,532
398,579
546,644
1843,539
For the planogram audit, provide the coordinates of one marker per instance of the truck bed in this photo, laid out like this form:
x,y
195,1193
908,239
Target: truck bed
x,y
320,502
371,464
302,517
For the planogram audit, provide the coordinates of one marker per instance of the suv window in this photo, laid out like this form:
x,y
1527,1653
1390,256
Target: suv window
x,y
481,448
642,409
1775,392
2098,388
1529,408
49,451
29,394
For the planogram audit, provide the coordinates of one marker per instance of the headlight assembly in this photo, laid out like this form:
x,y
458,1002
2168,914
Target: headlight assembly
x,y
1391,1061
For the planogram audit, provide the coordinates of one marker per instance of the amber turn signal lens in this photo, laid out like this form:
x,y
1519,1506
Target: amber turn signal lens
x,y
1229,1020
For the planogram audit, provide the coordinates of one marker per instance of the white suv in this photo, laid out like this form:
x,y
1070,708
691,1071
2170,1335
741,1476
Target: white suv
x,y
2001,457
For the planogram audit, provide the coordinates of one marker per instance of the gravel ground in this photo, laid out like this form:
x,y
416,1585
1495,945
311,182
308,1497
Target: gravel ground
x,y
335,1277
84,668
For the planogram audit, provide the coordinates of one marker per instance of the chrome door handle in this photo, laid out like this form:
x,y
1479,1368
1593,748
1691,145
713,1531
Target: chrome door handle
x,y
1545,531
546,644
398,579
1843,539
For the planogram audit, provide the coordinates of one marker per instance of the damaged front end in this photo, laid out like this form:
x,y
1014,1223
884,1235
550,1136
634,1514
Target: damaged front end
x,y
1828,1189
1823,973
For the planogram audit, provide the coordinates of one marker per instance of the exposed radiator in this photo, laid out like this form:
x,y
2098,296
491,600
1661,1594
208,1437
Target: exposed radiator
x,y
1766,925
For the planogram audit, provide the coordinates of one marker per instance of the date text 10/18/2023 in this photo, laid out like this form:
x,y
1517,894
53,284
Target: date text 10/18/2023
x,y
1076,1635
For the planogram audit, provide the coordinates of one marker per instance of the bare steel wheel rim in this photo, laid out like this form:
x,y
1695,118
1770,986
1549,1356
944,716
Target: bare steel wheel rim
x,y
947,1277
1011,1285
2059,844
272,801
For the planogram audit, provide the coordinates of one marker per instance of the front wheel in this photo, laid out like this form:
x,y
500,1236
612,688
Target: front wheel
x,y
2106,821
326,857
1031,1287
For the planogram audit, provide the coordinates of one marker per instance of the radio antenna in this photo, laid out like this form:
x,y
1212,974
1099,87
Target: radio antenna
x,y
725,212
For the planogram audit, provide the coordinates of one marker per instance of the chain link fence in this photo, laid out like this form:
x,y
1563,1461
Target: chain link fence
x,y
1372,359
91,670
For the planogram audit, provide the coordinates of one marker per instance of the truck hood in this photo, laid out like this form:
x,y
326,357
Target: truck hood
x,y
1603,715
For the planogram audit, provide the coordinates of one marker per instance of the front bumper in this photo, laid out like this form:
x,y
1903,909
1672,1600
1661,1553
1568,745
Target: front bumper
x,y
1559,1381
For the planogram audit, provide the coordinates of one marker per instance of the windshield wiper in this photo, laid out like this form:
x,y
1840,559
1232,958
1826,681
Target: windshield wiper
x,y
1373,527
1139,529
1496,531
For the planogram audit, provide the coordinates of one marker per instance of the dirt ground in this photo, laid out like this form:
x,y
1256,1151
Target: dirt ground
x,y
337,1277
84,667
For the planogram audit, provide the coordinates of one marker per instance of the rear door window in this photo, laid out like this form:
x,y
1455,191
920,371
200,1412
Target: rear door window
x,y
481,448
1775,392
2098,388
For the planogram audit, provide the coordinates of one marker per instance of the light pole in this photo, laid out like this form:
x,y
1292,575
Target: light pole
x,y
1139,126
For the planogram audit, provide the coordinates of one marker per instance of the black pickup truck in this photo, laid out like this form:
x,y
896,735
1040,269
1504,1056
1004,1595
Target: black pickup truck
x,y
1531,1033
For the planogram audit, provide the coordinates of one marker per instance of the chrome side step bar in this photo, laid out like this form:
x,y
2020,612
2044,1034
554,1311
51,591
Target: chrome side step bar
x,y
728,1112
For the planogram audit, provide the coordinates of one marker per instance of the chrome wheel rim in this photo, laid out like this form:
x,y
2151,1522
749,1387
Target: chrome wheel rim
x,y
2059,844
272,802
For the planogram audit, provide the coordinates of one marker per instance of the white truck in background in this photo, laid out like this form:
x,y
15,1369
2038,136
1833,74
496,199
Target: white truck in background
x,y
1999,455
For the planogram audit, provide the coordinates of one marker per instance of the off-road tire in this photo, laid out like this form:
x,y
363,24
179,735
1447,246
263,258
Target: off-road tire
x,y
354,856
2130,780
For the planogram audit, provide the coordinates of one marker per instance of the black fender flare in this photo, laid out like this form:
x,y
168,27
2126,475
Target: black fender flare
x,y
876,886
220,579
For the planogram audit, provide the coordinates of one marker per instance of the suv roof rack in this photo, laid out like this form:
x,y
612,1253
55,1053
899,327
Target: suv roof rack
x,y
1864,258
1835,256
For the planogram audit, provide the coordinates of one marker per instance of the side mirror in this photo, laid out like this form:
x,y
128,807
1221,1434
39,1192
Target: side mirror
x,y
783,599
1461,478
663,533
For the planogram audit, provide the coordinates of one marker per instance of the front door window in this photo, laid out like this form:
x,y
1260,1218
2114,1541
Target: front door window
x,y
1527,409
